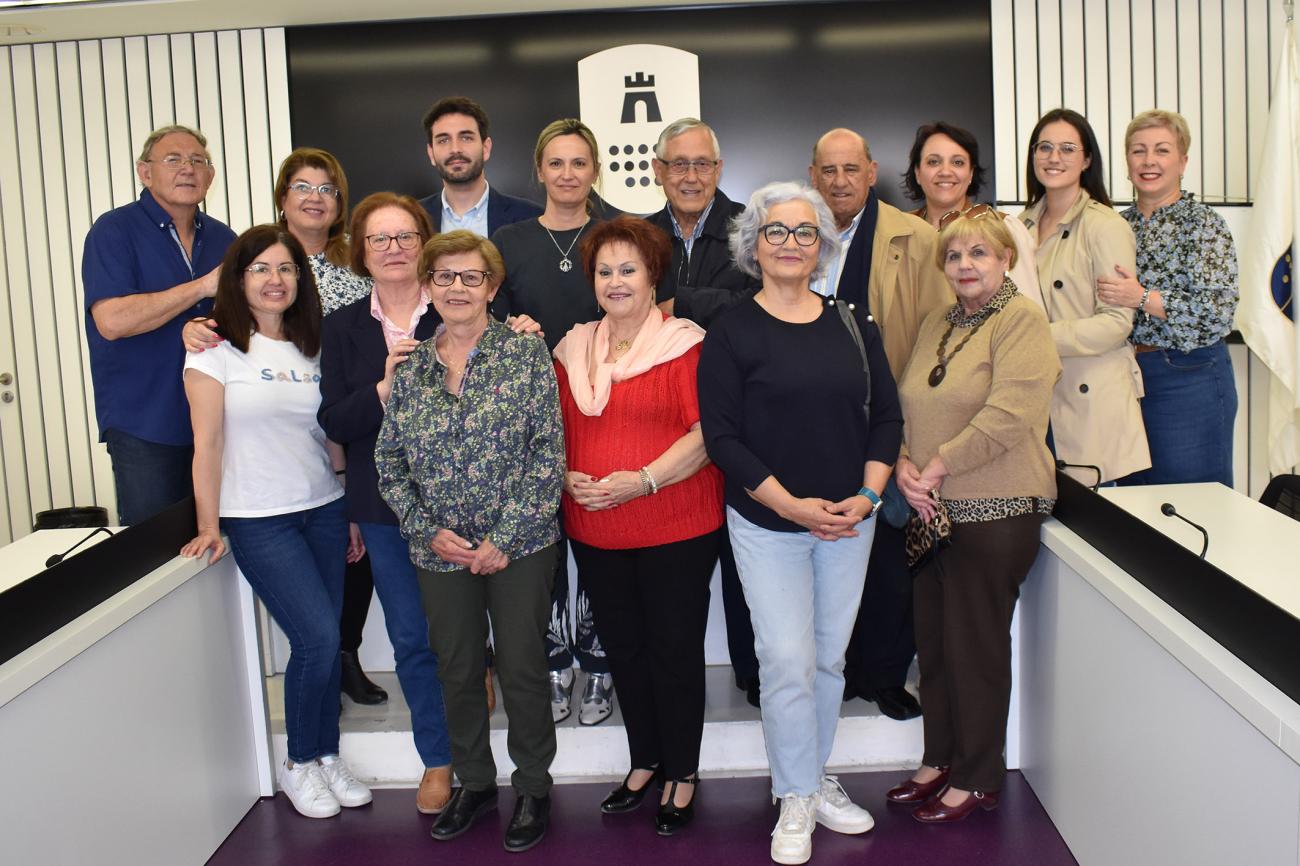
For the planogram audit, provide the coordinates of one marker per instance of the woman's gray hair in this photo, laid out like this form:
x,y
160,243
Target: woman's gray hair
x,y
745,234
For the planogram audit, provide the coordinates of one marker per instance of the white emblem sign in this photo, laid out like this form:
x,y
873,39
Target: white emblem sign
x,y
627,95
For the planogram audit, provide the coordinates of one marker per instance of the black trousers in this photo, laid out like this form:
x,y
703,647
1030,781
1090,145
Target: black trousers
x,y
740,631
358,586
883,641
653,607
964,601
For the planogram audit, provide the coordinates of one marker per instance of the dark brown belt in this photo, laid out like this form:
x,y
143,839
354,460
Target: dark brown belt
x,y
1139,348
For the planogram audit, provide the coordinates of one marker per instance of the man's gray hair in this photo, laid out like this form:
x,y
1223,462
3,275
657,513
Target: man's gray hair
x,y
684,125
745,234
161,131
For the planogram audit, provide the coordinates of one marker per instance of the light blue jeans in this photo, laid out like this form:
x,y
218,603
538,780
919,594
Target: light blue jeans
x,y
803,596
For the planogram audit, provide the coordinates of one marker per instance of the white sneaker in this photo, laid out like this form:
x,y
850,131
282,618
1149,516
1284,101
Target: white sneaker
x,y
792,838
837,812
306,789
345,787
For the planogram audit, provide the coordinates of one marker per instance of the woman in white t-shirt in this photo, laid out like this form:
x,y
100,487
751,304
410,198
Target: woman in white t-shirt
x,y
264,476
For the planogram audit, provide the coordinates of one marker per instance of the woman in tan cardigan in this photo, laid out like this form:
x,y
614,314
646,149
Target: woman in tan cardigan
x,y
1096,416
975,401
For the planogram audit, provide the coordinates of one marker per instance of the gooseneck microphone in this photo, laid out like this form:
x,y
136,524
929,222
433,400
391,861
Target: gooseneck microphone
x,y
1062,465
1168,510
58,557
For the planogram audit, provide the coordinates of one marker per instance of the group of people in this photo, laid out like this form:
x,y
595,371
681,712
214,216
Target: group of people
x,y
857,416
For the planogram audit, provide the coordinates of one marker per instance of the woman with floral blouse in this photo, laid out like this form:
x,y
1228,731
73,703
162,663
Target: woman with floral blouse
x,y
1185,294
471,460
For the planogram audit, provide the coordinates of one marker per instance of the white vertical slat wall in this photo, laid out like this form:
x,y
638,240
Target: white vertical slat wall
x,y
72,116
1211,60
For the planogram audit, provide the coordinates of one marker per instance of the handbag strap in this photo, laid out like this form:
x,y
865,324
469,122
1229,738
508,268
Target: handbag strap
x,y
846,316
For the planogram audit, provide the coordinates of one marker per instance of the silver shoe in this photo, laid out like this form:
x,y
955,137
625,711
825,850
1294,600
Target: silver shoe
x,y
597,700
561,694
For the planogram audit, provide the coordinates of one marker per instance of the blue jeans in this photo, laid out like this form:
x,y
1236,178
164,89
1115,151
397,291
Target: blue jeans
x,y
1189,409
398,589
147,476
294,562
803,596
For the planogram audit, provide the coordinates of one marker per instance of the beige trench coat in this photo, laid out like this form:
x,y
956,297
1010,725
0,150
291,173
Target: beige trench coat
x,y
1096,414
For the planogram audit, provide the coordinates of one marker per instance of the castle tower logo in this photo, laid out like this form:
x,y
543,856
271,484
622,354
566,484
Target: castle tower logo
x,y
627,95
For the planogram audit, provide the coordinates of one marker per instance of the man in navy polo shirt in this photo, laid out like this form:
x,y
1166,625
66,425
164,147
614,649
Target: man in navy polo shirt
x,y
148,267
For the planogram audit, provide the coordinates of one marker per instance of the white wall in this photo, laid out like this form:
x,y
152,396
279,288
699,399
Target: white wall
x,y
72,113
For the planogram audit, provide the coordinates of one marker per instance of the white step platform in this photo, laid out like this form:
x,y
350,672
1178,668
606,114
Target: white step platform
x,y
377,739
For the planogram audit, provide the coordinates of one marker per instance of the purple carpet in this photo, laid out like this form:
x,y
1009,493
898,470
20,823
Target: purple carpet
x,y
732,826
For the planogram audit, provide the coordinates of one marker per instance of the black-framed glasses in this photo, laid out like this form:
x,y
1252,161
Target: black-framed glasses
x,y
286,270
405,241
805,234
470,278
304,190
174,161
679,167
1067,149
973,212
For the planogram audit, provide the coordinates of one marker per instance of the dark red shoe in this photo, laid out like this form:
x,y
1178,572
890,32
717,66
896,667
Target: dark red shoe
x,y
913,792
937,812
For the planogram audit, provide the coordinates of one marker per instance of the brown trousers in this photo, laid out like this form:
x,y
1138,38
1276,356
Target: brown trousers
x,y
963,600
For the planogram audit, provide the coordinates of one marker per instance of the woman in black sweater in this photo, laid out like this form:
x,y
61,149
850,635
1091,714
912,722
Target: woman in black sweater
x,y
800,413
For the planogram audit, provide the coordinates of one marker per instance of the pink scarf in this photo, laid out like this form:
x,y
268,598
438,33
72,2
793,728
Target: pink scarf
x,y
661,339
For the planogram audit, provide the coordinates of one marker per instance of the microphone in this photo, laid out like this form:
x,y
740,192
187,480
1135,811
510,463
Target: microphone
x,y
1168,510
1062,465
59,557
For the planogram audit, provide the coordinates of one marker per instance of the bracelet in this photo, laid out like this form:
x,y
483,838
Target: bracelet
x,y
649,486
1142,304
872,498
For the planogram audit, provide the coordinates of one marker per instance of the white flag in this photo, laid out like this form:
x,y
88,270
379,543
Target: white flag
x,y
1266,315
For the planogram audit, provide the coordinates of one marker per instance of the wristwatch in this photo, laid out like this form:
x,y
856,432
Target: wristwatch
x,y
875,500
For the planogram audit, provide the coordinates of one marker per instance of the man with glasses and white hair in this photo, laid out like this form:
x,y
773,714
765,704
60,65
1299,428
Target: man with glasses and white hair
x,y
886,263
701,282
148,267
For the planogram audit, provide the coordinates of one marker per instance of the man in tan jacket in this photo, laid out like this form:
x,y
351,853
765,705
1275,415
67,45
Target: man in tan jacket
x,y
887,263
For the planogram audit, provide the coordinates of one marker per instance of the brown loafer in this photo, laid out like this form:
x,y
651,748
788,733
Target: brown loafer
x,y
937,812
915,792
435,790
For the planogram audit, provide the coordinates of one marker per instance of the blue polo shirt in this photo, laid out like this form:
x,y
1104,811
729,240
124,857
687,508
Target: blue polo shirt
x,y
129,250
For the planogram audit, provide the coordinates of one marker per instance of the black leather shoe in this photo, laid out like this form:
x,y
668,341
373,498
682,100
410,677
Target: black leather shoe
x,y
896,702
356,685
670,818
461,811
528,823
625,799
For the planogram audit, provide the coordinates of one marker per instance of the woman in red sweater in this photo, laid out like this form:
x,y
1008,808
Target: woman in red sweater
x,y
642,507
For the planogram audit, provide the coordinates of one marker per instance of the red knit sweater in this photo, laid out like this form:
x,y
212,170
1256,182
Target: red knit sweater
x,y
644,416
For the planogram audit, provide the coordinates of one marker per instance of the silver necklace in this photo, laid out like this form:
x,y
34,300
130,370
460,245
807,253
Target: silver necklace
x,y
565,264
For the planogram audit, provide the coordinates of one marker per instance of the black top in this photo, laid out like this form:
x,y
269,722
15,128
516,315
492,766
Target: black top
x,y
706,282
352,357
785,399
534,283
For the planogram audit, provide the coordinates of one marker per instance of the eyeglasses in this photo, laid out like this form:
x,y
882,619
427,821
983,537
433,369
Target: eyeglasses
x,y
287,270
405,241
679,167
1067,149
469,278
973,212
805,234
304,190
174,161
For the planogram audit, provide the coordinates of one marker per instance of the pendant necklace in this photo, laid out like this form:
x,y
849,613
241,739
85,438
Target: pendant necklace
x,y
566,264
941,369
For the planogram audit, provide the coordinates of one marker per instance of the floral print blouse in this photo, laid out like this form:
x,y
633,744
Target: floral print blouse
x,y
338,286
1185,252
487,463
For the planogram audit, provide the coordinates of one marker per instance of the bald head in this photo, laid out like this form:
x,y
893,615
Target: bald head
x,y
843,172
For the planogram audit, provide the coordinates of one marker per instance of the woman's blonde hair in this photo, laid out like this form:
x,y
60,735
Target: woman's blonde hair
x,y
1170,120
988,225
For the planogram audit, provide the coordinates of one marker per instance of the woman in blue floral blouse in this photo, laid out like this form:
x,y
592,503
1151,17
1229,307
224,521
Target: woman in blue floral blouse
x,y
471,460
1185,294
